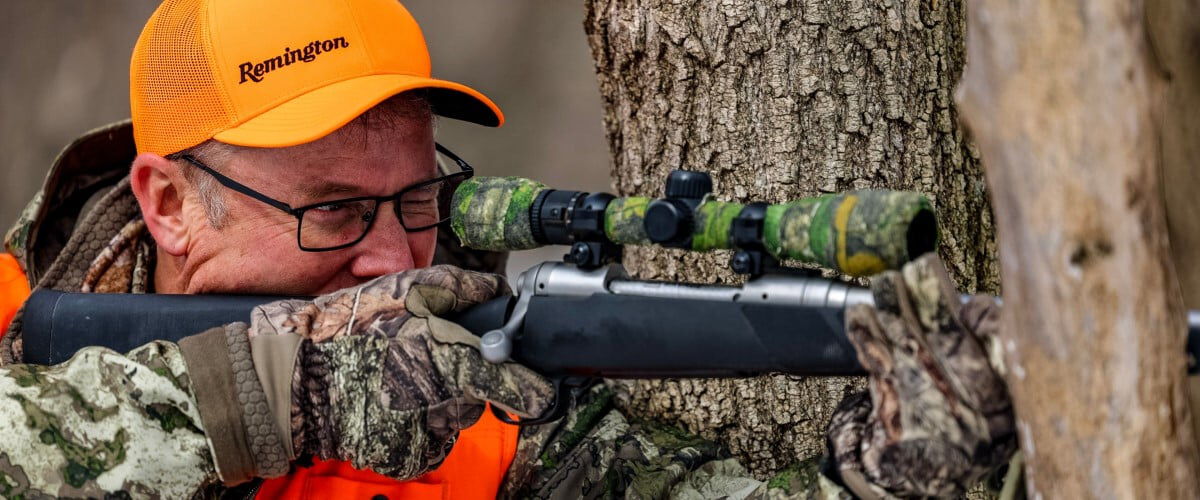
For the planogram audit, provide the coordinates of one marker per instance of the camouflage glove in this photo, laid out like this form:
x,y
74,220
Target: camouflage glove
x,y
381,381
938,417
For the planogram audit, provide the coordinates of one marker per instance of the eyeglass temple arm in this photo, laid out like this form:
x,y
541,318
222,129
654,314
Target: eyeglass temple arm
x,y
239,187
461,163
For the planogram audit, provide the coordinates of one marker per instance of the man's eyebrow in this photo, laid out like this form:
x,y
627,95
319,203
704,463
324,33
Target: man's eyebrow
x,y
327,189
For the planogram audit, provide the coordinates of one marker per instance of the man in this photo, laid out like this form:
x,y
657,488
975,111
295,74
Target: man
x,y
288,149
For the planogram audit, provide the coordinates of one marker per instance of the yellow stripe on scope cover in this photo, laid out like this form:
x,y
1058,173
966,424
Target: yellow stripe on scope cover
x,y
859,264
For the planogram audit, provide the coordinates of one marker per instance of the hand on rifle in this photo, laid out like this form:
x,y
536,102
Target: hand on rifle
x,y
937,418
376,378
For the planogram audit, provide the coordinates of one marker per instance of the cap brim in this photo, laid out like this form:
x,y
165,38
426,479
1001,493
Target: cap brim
x,y
321,111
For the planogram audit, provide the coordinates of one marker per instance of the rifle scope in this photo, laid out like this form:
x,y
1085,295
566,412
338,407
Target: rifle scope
x,y
859,233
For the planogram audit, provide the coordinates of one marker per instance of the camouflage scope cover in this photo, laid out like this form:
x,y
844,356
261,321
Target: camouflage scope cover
x,y
492,213
859,233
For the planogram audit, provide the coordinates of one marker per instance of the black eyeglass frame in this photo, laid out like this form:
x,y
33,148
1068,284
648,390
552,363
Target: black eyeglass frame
x,y
298,212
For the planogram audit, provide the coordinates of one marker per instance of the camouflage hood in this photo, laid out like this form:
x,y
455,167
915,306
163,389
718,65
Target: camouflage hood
x,y
84,202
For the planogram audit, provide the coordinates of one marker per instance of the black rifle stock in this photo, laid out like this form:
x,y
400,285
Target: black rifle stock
x,y
577,323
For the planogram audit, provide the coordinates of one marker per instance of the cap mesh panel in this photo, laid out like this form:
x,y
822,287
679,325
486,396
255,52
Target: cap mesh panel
x,y
177,102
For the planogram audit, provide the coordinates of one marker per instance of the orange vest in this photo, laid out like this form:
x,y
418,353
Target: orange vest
x,y
475,467
13,290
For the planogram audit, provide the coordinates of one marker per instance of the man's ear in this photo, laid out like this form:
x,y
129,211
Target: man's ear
x,y
159,187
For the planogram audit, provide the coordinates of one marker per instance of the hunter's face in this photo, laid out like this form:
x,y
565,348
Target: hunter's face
x,y
255,251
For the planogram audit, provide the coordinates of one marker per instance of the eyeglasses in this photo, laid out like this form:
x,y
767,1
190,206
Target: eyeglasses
x,y
337,224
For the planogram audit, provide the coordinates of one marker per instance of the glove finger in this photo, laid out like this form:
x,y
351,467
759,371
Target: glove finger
x,y
893,373
866,334
885,291
981,316
349,311
934,300
511,387
918,400
468,287
962,358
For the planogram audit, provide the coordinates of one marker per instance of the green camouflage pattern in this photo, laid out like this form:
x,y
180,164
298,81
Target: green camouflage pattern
x,y
859,233
102,422
938,418
16,240
713,221
492,213
596,452
624,220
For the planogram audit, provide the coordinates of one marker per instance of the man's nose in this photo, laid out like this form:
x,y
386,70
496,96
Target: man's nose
x,y
385,249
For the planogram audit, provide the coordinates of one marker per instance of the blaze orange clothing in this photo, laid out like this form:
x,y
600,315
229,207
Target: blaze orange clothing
x,y
13,290
475,468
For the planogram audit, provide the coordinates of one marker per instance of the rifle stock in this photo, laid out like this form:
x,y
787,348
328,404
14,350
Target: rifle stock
x,y
576,323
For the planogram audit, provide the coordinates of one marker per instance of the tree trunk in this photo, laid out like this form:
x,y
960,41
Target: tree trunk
x,y
781,100
1065,101
1174,27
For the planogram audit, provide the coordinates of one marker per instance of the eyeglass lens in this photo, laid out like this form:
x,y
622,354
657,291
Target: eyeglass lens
x,y
344,222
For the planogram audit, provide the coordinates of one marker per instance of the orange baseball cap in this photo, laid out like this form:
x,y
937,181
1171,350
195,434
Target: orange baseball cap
x,y
277,73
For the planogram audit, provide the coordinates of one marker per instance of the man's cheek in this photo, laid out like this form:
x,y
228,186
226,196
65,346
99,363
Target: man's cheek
x,y
423,245
266,236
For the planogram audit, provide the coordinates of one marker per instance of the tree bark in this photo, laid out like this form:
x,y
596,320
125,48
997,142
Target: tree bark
x,y
1065,99
781,100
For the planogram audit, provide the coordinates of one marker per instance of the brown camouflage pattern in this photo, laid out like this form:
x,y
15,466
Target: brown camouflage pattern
x,y
938,418
858,233
124,265
492,213
386,384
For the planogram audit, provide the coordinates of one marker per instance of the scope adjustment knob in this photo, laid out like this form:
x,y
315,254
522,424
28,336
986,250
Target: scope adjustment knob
x,y
687,184
669,222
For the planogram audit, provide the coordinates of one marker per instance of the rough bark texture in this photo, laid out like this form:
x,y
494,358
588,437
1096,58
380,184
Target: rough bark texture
x,y
1065,101
779,100
1174,28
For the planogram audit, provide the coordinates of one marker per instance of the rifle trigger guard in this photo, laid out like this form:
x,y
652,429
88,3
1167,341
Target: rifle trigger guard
x,y
564,397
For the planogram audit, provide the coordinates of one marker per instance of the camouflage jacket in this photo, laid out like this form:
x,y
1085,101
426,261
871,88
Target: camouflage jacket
x,y
104,422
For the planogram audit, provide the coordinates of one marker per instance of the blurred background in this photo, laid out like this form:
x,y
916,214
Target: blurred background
x,y
65,65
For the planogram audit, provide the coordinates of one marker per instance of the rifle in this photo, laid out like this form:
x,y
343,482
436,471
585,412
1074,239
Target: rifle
x,y
584,318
